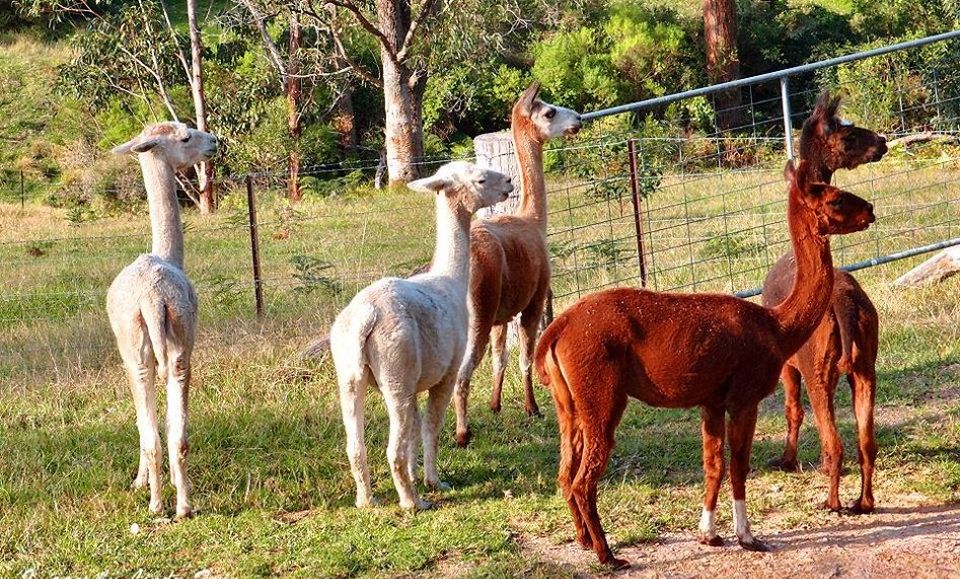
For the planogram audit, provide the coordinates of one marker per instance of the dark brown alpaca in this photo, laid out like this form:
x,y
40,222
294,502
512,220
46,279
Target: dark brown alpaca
x,y
846,340
717,352
509,261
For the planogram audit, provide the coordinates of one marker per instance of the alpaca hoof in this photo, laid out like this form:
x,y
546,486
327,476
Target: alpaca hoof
x,y
860,507
495,407
584,540
138,483
754,545
714,541
422,505
366,502
463,438
184,513
828,506
438,485
535,413
156,507
614,563
785,465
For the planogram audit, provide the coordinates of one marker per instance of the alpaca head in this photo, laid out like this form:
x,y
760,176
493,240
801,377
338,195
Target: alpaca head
x,y
833,143
544,120
175,143
466,185
836,211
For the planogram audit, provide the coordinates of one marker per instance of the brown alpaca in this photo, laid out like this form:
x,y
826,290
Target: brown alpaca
x,y
846,340
509,261
717,352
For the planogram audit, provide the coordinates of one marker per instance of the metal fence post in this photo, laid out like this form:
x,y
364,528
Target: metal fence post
x,y
22,198
255,248
787,122
637,210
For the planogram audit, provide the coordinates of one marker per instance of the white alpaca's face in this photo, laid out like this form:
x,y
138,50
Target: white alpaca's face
x,y
176,143
471,186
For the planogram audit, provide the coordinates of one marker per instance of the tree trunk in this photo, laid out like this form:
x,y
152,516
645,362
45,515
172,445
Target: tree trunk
x,y
345,122
293,108
723,62
403,95
208,198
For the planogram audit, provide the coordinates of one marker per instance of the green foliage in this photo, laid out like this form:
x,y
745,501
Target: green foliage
x,y
315,274
729,245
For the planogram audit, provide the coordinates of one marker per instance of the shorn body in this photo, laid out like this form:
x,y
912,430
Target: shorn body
x,y
153,308
716,352
406,336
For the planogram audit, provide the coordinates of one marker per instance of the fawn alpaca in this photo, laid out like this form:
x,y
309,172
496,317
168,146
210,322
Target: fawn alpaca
x,y
509,261
846,340
717,352
153,308
407,336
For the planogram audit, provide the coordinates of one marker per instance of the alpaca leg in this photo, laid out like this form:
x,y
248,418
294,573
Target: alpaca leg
x,y
352,399
178,389
740,431
571,449
793,407
711,429
437,401
401,405
138,358
598,444
821,390
501,356
476,346
529,327
863,383
414,443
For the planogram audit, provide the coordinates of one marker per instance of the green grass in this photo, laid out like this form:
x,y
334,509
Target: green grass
x,y
270,475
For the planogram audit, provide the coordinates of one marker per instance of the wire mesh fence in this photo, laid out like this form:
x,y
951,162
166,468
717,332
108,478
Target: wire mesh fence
x,y
658,195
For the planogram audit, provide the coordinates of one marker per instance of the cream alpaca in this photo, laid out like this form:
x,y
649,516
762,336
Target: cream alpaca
x,y
153,308
409,335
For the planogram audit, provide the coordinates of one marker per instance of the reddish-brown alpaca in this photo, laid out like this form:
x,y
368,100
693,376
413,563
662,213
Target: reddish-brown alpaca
x,y
846,340
509,261
717,352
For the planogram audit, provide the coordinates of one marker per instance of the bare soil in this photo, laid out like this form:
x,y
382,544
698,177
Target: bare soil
x,y
917,541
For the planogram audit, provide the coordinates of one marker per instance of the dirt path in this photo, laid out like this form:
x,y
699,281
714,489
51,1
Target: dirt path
x,y
905,541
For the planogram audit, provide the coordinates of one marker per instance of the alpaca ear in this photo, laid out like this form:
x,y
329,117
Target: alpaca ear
x,y
825,109
789,172
135,145
529,96
432,184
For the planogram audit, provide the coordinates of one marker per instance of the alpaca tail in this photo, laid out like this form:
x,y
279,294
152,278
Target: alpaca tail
x,y
155,319
318,347
348,339
544,358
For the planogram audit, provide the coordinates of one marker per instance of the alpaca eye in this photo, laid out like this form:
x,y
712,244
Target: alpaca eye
x,y
550,113
837,203
482,181
185,139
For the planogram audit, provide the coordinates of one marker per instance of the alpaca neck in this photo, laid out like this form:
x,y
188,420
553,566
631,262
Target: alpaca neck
x,y
451,257
533,190
159,180
812,289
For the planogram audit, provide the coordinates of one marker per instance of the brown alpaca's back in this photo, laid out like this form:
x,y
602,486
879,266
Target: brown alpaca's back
x,y
677,350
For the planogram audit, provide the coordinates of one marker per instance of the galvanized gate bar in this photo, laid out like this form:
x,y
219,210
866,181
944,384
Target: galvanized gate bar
x,y
776,75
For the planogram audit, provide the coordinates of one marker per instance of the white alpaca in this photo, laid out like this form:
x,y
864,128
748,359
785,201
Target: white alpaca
x,y
409,335
153,308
